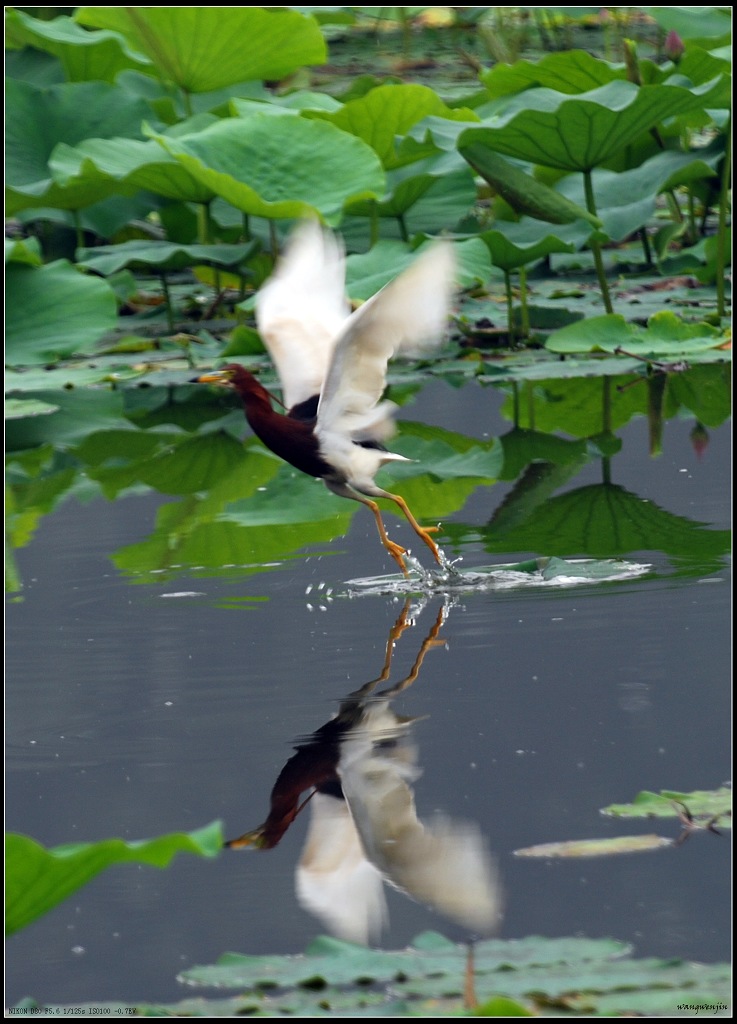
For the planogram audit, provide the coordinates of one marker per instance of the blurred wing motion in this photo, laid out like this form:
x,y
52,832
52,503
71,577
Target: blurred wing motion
x,y
408,316
445,864
301,309
334,881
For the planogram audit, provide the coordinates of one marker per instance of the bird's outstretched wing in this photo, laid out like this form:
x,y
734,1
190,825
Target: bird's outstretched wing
x,y
409,315
301,309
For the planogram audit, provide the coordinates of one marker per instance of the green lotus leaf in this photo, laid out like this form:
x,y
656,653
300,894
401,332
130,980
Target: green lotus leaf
x,y
143,254
608,847
712,25
585,131
38,119
668,803
625,200
665,335
526,241
606,521
367,272
56,311
85,56
125,165
225,45
37,879
295,102
390,111
572,72
278,167
23,250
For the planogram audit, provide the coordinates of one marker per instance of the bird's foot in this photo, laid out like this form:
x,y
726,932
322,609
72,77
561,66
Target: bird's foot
x,y
425,532
397,551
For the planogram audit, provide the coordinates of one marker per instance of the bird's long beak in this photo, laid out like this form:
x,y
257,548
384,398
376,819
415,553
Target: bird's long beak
x,y
254,839
213,377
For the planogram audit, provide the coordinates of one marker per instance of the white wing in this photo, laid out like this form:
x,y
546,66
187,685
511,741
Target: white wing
x,y
407,316
301,309
443,864
334,880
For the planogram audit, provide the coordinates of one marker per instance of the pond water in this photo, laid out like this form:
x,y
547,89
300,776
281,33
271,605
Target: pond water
x,y
142,702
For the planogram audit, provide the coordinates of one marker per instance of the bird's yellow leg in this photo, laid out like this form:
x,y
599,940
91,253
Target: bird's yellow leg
x,y
421,531
395,550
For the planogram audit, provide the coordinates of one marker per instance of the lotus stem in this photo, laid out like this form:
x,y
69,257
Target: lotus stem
x,y
594,244
510,310
606,405
167,299
524,311
374,224
78,228
722,225
646,246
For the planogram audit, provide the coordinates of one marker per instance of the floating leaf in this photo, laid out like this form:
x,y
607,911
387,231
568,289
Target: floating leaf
x,y
706,803
36,878
596,847
665,335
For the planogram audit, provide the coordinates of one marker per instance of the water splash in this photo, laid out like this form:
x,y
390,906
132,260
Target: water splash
x,y
449,580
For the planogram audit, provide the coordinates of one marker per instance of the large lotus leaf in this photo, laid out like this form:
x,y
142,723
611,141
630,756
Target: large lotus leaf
x,y
528,240
144,254
665,335
699,65
207,48
607,521
710,24
571,72
390,111
367,272
585,131
55,312
85,56
626,200
706,391
278,167
23,250
408,184
125,165
36,879
189,535
37,119
296,102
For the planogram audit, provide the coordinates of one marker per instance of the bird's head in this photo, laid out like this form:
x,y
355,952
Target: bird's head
x,y
232,376
237,378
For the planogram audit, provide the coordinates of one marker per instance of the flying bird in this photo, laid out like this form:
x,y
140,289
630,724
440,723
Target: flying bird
x,y
332,365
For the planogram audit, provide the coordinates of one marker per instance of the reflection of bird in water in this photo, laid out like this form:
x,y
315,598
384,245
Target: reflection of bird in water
x,y
364,827
332,365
